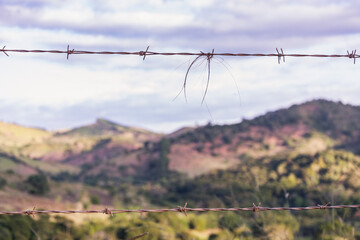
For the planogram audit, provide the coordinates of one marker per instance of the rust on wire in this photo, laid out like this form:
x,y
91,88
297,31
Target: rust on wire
x,y
323,206
31,212
108,211
256,208
139,236
185,210
280,53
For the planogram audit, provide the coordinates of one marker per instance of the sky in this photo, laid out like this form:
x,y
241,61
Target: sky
x,y
51,92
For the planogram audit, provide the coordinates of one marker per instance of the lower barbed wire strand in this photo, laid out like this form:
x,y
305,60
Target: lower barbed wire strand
x,y
179,209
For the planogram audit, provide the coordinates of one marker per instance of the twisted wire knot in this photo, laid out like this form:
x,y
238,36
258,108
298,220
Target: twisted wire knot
x,y
68,52
352,55
108,211
256,208
324,206
183,209
208,55
30,212
144,53
280,55
4,51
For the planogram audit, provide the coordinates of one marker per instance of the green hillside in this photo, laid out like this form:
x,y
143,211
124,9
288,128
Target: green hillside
x,y
337,120
16,135
51,152
304,155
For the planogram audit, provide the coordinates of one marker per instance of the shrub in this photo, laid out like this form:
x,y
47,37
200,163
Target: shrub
x,y
2,182
94,199
37,184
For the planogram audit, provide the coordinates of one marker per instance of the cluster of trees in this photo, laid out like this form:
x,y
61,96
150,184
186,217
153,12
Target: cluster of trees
x,y
3,182
291,180
174,226
286,180
37,184
294,180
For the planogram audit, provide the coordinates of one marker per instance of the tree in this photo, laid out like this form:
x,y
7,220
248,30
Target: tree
x,y
2,182
37,184
164,151
160,165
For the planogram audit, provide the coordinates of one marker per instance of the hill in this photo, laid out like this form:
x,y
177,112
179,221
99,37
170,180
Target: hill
x,y
29,150
306,154
105,148
118,150
13,135
306,128
103,127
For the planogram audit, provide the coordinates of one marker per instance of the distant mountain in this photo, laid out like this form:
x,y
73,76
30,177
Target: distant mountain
x,y
39,150
336,120
309,127
103,127
105,148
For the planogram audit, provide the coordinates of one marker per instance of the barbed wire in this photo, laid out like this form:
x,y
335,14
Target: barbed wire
x,y
279,53
139,236
181,209
198,55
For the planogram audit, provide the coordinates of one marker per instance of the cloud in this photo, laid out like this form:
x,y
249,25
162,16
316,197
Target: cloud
x,y
47,90
242,24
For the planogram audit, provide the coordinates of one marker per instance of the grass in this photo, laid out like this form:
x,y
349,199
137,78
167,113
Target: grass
x,y
7,164
15,135
316,142
50,167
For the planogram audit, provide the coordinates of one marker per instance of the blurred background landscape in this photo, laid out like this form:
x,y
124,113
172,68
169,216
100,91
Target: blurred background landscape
x,y
303,155
101,131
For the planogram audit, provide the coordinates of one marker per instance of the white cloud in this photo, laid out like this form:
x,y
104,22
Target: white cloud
x,y
129,90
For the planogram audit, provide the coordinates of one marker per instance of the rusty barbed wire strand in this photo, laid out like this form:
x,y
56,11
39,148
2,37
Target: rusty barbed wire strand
x,y
139,236
279,54
180,209
198,55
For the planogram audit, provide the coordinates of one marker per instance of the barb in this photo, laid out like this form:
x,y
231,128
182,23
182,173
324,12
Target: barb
x,y
68,52
323,206
352,55
280,55
108,211
142,53
31,212
256,208
185,209
4,51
